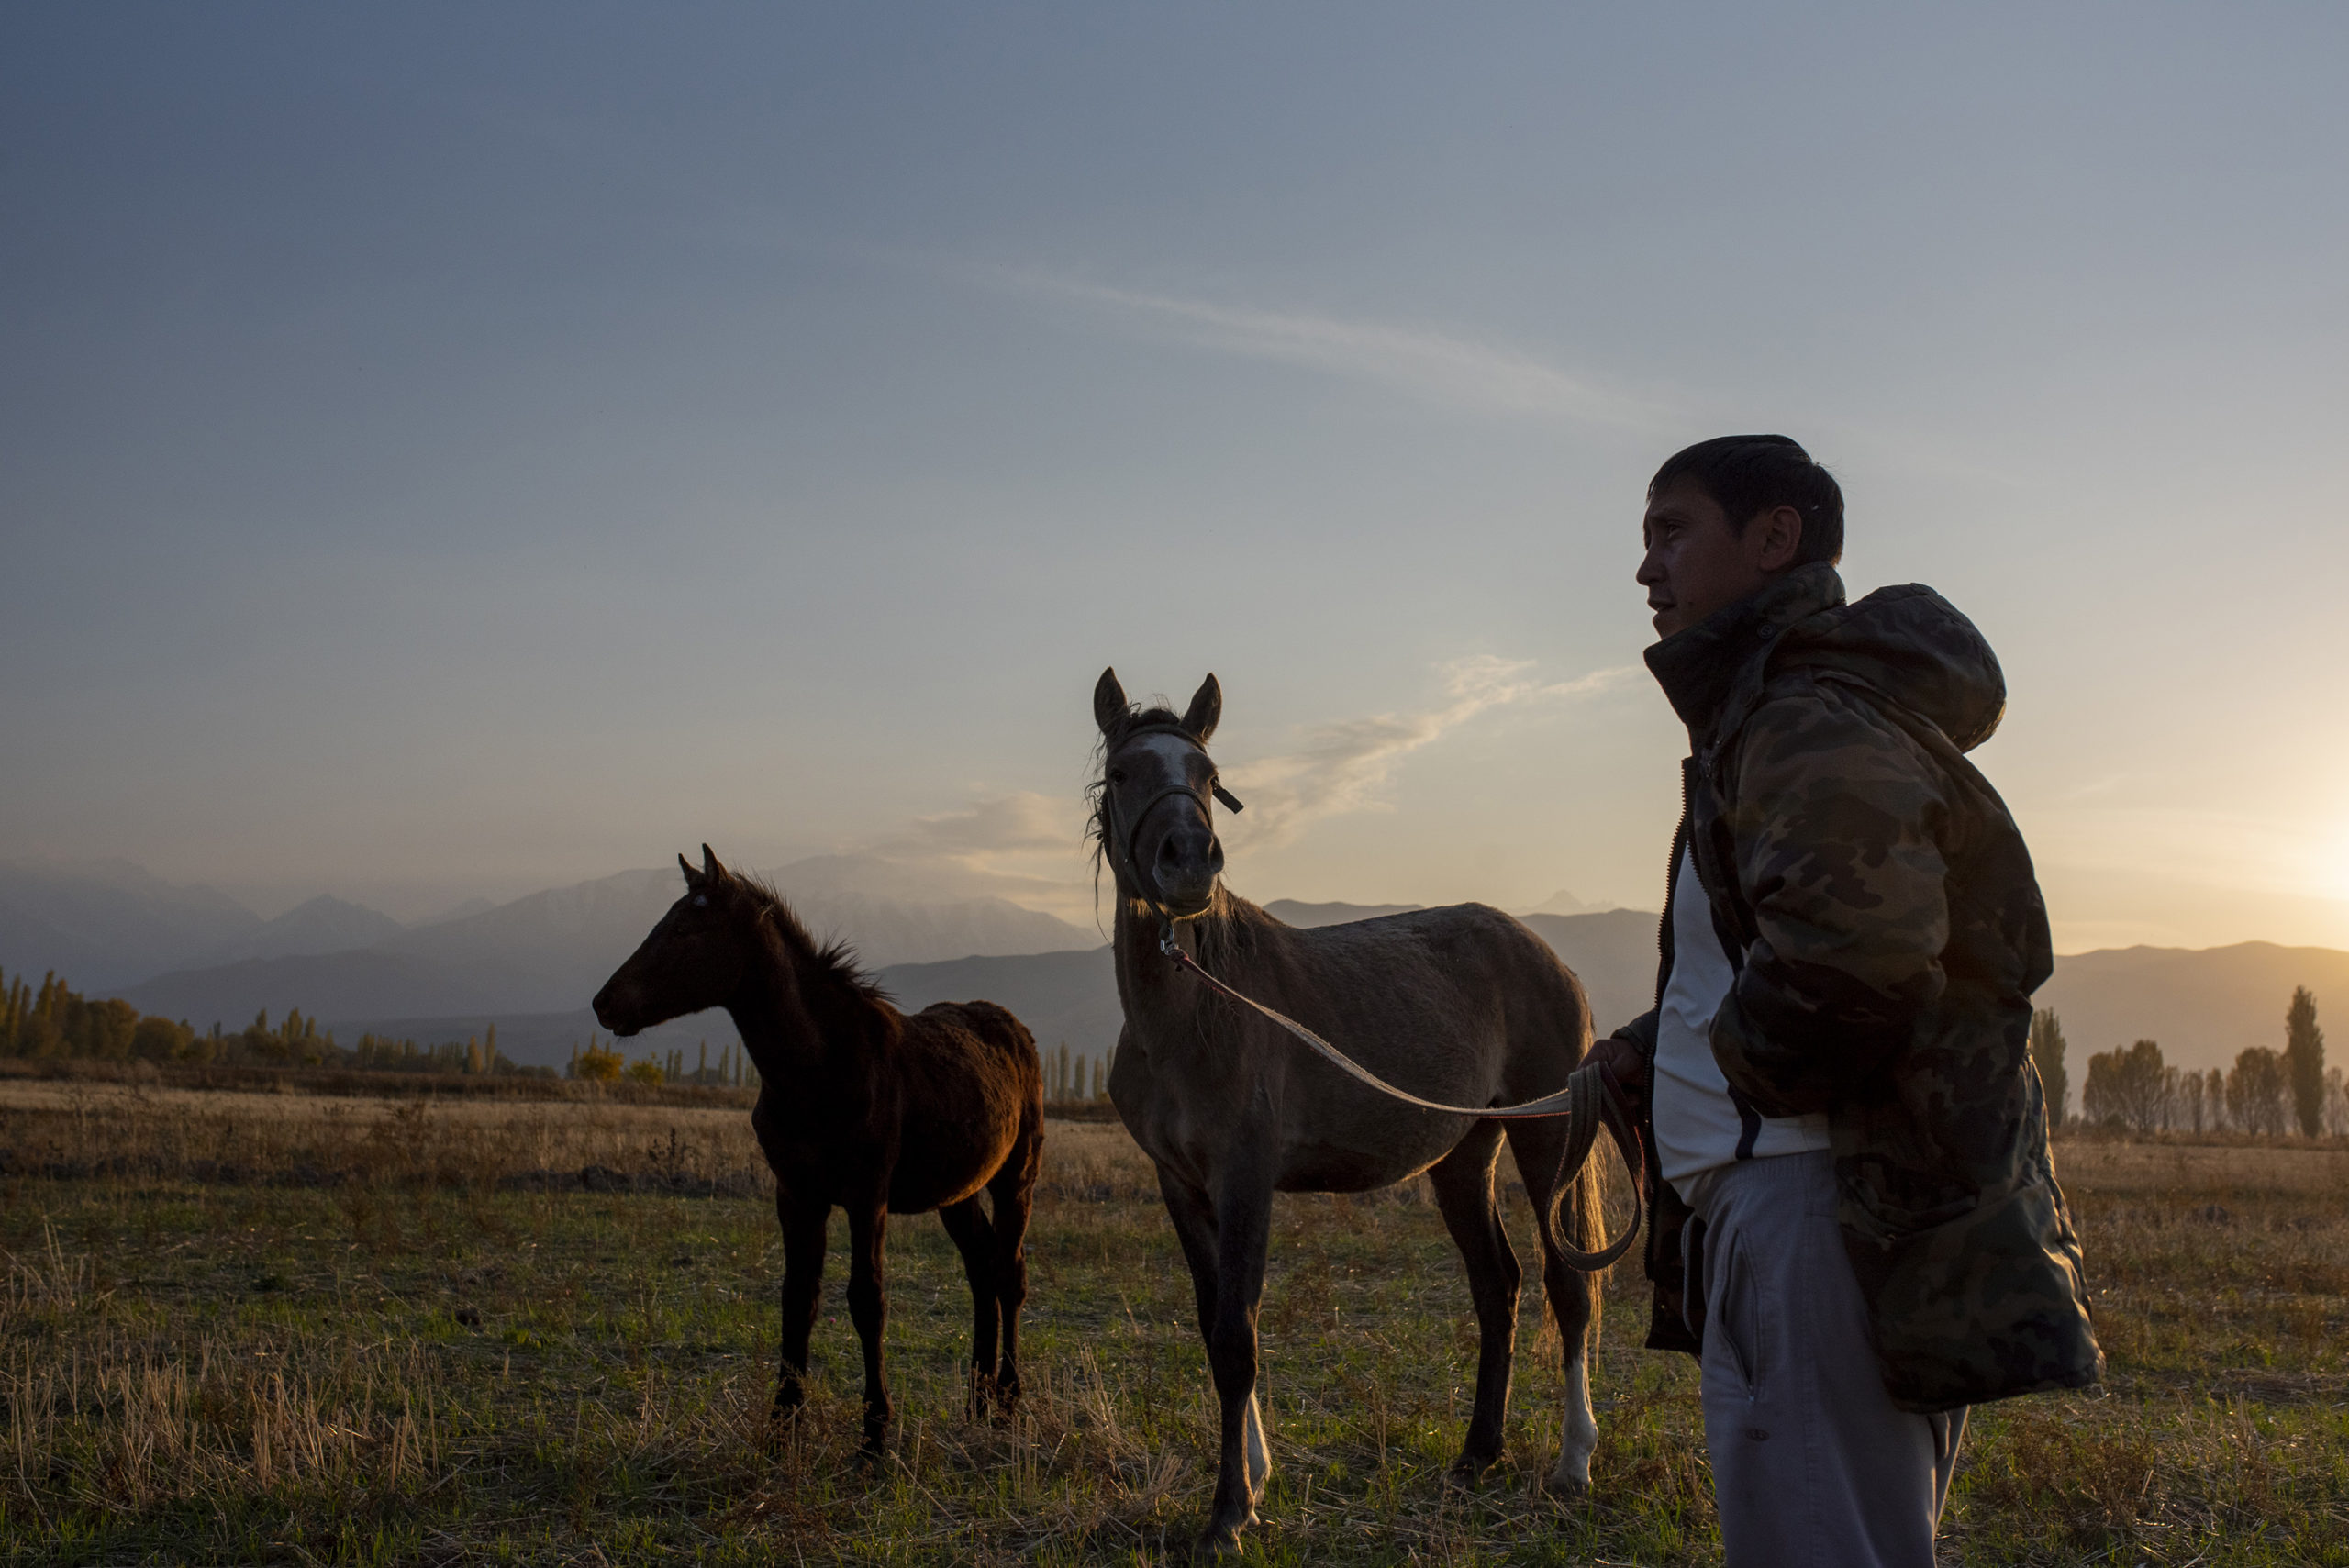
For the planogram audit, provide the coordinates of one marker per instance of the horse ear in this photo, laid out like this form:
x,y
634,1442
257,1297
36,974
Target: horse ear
x,y
693,877
1206,707
709,867
1110,707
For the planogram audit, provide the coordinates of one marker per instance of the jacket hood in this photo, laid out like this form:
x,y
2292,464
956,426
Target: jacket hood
x,y
1914,647
1907,643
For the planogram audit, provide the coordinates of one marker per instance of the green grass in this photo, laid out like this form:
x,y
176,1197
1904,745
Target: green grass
x,y
357,1374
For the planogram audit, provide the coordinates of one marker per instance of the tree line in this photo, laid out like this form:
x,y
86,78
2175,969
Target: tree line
x,y
597,1063
2267,1092
54,1022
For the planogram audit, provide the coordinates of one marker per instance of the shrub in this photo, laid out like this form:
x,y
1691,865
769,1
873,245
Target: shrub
x,y
598,1065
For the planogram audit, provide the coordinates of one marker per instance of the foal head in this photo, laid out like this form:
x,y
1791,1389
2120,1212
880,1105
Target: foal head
x,y
1155,811
695,958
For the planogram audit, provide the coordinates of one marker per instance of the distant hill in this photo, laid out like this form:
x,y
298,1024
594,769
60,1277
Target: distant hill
x,y
548,953
2203,1005
1061,997
1564,902
1290,912
325,924
1072,996
547,1040
1612,953
104,924
370,983
192,953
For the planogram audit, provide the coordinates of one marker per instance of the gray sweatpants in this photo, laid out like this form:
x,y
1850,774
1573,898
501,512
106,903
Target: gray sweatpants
x,y
1812,1466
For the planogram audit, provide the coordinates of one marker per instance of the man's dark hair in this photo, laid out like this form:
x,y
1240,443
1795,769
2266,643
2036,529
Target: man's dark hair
x,y
1747,475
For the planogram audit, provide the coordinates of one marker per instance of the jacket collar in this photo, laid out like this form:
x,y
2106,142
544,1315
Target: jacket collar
x,y
1713,669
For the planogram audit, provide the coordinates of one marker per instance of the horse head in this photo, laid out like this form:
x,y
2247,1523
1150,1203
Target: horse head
x,y
695,958
1154,812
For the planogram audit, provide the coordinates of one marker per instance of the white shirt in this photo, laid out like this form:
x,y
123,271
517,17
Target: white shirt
x,y
1699,1125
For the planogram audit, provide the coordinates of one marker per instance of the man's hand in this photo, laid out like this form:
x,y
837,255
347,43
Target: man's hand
x,y
1623,1064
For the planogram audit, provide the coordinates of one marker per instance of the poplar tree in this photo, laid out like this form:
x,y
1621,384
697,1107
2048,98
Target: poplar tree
x,y
2304,1061
2047,1056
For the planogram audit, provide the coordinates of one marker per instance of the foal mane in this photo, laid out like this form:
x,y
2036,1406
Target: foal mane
x,y
835,960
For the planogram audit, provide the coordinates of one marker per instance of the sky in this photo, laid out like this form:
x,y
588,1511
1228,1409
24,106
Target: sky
x,y
450,451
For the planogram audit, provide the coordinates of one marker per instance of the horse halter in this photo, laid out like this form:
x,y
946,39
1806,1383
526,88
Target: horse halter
x,y
1121,844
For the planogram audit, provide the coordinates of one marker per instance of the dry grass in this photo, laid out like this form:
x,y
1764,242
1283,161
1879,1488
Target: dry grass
x,y
427,1362
65,1128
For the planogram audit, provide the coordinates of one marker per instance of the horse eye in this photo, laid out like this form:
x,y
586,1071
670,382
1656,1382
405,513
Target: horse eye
x,y
1117,775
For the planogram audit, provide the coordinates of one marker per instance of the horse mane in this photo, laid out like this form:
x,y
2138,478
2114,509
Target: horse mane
x,y
835,960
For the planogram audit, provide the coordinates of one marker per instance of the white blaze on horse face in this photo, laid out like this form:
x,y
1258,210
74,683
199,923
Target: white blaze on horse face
x,y
1172,749
1580,1439
1174,755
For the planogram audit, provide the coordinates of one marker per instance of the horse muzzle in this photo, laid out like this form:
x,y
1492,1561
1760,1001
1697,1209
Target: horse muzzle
x,y
611,1012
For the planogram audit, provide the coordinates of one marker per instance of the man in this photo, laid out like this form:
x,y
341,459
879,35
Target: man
x,y
1857,1228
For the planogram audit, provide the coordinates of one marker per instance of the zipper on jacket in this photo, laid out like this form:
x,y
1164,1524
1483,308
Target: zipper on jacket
x,y
1671,876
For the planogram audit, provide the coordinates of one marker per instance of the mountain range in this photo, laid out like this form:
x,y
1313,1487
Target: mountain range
x,y
1072,998
529,965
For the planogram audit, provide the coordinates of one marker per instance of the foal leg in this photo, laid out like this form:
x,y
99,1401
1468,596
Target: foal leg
x,y
1573,1296
1013,1194
868,1226
975,1239
804,1223
1463,1191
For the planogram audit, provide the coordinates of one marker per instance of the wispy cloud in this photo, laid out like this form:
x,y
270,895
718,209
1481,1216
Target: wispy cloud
x,y
1457,372
1029,848
1341,766
1023,846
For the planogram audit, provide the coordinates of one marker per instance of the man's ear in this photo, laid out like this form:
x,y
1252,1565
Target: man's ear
x,y
1206,709
1110,707
1775,538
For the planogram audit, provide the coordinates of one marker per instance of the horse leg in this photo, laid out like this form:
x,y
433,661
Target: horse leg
x,y
975,1239
1464,1192
804,1223
1012,1194
1573,1296
868,1308
1244,1462
1243,1226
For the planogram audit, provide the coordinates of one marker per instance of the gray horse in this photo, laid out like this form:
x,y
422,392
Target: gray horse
x,y
1462,1006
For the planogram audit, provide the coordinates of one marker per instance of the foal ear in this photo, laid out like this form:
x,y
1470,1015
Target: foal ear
x,y
1206,707
693,877
709,867
1110,707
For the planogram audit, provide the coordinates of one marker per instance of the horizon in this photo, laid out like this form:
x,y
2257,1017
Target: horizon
x,y
289,903
457,455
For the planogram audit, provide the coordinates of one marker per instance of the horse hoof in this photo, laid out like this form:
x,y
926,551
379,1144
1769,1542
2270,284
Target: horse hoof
x,y
1565,1483
1464,1474
1216,1545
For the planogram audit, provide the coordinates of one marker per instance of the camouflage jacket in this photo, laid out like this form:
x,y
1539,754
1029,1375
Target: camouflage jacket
x,y
1886,929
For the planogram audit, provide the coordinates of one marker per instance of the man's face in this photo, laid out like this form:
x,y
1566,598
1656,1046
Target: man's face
x,y
1695,563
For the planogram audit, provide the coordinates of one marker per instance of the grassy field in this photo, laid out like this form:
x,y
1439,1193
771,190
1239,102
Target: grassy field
x,y
246,1327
